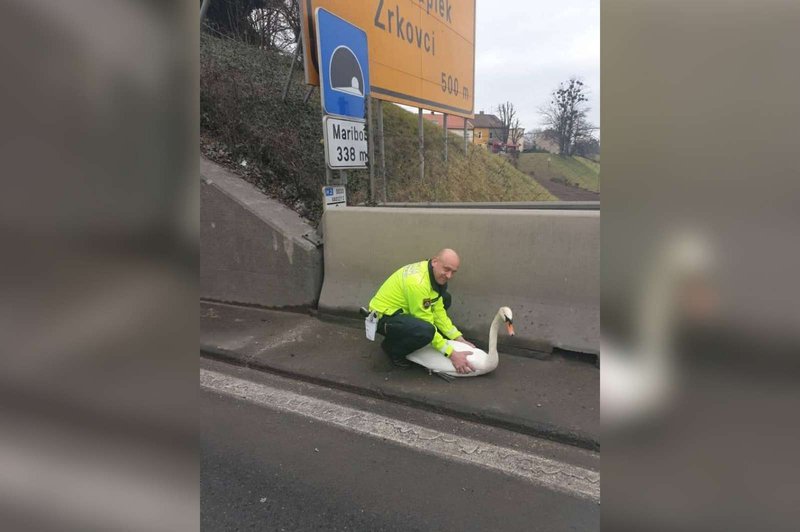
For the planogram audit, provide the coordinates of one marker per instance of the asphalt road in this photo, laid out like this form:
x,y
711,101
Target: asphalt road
x,y
270,469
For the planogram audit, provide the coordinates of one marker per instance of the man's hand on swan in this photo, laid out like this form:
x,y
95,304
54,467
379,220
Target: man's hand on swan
x,y
459,360
464,341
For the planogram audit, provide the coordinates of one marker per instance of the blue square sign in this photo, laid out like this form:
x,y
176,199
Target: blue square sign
x,y
344,66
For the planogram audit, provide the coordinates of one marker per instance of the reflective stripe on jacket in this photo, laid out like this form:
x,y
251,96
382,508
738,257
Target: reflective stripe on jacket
x,y
411,289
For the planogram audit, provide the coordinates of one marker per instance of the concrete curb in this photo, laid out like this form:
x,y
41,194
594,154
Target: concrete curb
x,y
508,422
348,320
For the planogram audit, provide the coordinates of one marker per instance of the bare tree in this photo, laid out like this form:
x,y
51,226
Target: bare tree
x,y
508,116
266,23
290,9
565,114
272,24
232,18
278,24
588,147
515,133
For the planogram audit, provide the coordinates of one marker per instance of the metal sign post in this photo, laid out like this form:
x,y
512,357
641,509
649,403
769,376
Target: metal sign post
x,y
421,149
204,10
383,150
291,69
371,146
444,120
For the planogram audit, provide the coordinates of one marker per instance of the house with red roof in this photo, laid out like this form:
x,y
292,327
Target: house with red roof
x,y
455,124
484,130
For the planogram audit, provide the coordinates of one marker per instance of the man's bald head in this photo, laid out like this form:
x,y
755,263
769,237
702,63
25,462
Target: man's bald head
x,y
445,264
447,254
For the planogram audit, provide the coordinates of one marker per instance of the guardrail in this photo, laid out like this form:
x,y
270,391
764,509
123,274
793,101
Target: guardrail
x,y
542,262
528,205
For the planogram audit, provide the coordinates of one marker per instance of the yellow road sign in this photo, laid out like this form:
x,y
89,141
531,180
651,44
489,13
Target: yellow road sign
x,y
421,52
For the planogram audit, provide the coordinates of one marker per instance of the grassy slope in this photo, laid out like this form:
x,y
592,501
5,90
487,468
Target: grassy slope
x,y
242,117
474,176
593,165
577,170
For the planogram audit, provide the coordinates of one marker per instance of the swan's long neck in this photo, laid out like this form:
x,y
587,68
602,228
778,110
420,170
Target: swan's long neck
x,y
493,336
656,319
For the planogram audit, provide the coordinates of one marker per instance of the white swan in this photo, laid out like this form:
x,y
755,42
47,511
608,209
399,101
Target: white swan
x,y
481,361
638,379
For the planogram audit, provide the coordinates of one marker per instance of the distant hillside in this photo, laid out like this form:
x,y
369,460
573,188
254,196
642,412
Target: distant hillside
x,y
278,145
575,171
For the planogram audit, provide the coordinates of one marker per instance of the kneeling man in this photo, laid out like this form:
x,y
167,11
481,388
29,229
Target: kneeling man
x,y
412,309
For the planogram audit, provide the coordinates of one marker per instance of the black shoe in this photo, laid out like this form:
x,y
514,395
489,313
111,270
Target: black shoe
x,y
399,361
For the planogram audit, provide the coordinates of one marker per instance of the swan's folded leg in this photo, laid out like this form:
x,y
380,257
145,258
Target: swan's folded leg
x,y
445,376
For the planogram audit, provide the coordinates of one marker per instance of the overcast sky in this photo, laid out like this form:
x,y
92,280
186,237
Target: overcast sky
x,y
524,48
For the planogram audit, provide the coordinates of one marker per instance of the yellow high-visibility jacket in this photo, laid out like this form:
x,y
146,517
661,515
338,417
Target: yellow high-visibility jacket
x,y
411,288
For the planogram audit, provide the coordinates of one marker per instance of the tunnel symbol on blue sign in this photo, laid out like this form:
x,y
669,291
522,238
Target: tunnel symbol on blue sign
x,y
346,74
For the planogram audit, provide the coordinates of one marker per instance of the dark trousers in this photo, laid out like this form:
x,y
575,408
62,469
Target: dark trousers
x,y
404,334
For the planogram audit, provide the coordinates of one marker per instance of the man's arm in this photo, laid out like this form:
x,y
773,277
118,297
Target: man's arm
x,y
415,295
442,321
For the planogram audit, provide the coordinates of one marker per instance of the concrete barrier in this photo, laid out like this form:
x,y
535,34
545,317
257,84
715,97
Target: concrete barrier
x,y
253,250
543,264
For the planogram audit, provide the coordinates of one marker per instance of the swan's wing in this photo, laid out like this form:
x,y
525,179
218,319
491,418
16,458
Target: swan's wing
x,y
435,361
432,359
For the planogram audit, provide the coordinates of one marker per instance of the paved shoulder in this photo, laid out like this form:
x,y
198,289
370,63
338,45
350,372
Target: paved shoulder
x,y
557,398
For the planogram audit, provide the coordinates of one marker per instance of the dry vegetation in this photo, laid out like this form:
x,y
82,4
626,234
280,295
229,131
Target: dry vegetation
x,y
243,118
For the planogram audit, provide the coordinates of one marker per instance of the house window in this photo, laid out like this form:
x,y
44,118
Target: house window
x,y
480,134
491,134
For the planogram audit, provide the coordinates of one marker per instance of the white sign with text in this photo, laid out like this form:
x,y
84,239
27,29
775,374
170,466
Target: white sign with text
x,y
345,143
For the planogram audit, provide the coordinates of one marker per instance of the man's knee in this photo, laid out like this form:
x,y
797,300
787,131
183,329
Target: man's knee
x,y
423,333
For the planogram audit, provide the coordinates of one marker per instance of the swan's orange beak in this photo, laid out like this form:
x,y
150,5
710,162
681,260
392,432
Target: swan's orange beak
x,y
510,328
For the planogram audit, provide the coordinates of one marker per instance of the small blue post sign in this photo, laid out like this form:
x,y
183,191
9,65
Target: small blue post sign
x,y
344,66
334,197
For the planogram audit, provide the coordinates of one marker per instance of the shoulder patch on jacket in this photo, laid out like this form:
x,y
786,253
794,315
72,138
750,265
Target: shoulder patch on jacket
x,y
426,303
